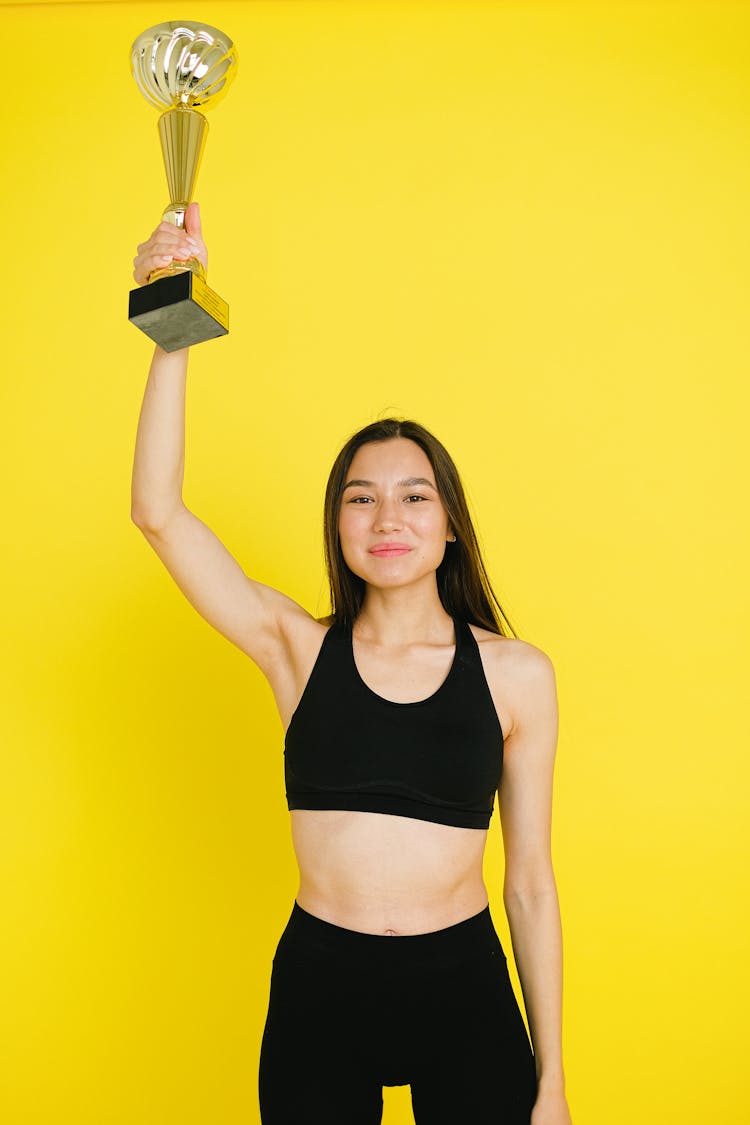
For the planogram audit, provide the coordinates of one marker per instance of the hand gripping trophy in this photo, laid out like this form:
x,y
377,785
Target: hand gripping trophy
x,y
180,67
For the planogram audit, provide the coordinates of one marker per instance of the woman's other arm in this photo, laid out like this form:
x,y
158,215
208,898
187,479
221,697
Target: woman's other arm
x,y
529,891
258,619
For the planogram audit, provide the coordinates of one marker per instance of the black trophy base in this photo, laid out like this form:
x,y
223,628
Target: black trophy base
x,y
178,311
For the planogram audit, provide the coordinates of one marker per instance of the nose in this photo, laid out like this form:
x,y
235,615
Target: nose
x,y
389,516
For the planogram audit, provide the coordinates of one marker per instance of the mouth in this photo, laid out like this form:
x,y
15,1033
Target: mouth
x,y
389,550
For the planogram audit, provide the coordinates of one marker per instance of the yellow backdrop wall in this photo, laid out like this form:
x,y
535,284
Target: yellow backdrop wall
x,y
524,225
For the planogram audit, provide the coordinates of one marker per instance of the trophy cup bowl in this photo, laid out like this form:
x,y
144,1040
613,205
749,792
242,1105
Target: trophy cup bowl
x,y
181,67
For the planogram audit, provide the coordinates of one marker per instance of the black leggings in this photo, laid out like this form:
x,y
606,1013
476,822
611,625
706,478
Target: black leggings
x,y
350,1013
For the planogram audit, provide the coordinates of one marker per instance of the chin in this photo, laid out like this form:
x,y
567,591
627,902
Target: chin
x,y
393,578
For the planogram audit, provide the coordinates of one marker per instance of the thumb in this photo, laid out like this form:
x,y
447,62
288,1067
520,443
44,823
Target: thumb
x,y
193,220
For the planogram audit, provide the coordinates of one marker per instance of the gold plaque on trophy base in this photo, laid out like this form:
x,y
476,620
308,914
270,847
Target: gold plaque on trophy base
x,y
178,311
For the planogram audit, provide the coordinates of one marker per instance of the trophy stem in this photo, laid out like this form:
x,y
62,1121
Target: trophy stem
x,y
182,132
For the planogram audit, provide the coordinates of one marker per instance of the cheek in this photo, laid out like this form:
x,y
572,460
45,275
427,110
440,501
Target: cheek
x,y
350,537
349,530
433,524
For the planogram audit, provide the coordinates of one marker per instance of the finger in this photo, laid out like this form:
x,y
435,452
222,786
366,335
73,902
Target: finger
x,y
145,264
165,244
193,221
146,261
168,243
143,267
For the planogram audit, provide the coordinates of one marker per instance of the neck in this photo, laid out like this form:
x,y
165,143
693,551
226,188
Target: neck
x,y
404,616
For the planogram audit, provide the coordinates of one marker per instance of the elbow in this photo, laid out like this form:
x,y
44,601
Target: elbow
x,y
142,520
523,893
523,902
149,521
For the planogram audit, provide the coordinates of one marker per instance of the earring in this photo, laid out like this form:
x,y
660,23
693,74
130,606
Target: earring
x,y
452,539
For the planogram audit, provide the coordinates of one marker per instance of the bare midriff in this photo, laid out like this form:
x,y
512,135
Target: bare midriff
x,y
384,874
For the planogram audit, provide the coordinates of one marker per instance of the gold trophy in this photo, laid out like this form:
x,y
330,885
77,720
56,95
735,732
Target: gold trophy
x,y
180,67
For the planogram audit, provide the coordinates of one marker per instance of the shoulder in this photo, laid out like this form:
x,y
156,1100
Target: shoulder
x,y
521,657
519,673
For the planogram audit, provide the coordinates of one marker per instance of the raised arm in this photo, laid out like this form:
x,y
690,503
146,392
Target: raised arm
x,y
261,621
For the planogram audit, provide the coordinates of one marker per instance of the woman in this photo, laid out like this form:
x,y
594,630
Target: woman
x,y
401,710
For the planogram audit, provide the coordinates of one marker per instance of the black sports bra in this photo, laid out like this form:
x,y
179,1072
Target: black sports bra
x,y
439,759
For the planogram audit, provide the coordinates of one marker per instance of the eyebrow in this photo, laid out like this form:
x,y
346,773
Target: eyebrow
x,y
410,482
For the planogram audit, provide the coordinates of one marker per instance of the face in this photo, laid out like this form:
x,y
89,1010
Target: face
x,y
392,523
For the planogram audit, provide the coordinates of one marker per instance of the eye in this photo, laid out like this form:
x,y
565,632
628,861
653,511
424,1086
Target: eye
x,y
359,500
415,497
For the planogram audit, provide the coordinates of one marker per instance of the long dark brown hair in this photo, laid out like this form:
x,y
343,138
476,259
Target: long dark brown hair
x,y
463,585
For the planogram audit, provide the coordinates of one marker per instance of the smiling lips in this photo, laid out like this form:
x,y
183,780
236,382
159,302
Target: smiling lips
x,y
389,550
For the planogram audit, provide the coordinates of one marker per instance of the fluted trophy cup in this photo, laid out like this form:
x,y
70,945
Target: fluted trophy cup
x,y
181,68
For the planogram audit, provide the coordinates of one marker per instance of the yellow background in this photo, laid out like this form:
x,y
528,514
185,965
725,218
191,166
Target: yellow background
x,y
524,225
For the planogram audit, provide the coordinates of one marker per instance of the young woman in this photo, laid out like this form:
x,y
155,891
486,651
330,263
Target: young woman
x,y
404,712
